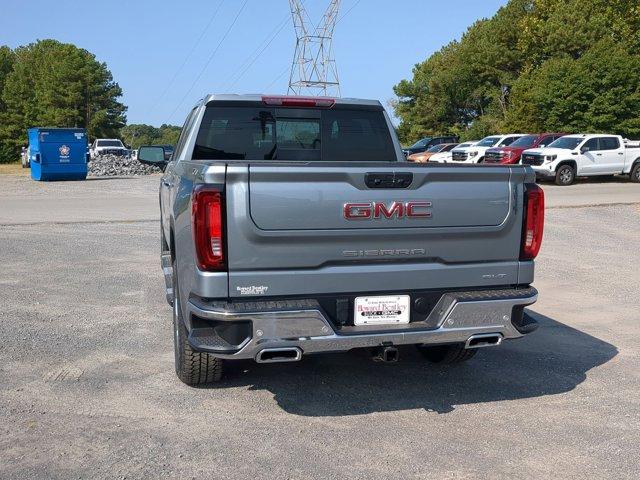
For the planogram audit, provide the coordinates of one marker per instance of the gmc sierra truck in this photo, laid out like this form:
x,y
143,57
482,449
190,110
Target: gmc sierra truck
x,y
293,226
476,153
513,152
593,155
107,146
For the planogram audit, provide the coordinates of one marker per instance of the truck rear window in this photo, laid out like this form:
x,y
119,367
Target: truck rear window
x,y
262,133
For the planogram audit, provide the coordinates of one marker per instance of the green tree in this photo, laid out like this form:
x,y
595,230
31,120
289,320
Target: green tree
x,y
7,59
564,94
55,84
135,135
571,27
567,65
465,79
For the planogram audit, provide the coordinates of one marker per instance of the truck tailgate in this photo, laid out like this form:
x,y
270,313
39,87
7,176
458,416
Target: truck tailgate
x,y
290,235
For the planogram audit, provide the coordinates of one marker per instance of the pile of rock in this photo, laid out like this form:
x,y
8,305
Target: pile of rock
x,y
115,166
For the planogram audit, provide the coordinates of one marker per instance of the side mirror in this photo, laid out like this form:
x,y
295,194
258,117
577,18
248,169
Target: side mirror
x,y
152,155
584,150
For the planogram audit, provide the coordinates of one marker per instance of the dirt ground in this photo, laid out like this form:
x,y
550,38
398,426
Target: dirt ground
x,y
87,388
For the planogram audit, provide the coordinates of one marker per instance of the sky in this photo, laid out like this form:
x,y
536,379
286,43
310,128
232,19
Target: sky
x,y
167,55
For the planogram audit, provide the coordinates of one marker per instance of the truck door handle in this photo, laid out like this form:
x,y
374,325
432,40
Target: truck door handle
x,y
620,153
599,154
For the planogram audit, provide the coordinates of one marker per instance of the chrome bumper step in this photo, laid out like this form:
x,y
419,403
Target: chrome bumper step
x,y
475,318
167,271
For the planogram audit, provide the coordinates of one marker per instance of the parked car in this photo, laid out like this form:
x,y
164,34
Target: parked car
x,y
584,155
511,154
445,157
476,153
267,245
108,146
424,144
425,156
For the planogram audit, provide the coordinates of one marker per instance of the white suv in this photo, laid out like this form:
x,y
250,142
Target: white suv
x,y
475,153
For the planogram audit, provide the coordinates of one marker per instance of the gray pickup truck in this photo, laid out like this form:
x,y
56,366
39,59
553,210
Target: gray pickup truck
x,y
293,226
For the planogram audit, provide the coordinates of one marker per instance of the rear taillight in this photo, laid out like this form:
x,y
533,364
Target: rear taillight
x,y
207,209
533,221
309,102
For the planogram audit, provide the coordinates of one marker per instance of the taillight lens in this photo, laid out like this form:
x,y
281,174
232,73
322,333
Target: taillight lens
x,y
533,221
208,227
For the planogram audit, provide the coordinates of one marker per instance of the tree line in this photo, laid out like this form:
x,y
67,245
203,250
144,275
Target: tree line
x,y
54,84
135,135
536,65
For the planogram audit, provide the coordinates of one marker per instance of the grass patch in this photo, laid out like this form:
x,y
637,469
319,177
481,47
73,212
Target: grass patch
x,y
13,169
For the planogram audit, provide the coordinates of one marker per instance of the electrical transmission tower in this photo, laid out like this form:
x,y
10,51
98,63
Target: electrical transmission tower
x,y
314,71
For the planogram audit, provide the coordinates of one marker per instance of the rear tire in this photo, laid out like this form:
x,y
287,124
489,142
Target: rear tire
x,y
192,367
634,176
446,354
565,175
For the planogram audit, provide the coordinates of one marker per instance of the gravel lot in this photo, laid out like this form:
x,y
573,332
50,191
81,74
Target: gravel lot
x,y
87,388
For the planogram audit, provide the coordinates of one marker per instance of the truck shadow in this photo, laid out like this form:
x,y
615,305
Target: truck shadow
x,y
552,360
593,180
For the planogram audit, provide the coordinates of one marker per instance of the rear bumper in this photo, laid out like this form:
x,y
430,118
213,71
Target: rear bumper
x,y
243,330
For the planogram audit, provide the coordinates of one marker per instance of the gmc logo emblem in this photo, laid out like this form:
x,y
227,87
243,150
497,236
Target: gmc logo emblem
x,y
380,210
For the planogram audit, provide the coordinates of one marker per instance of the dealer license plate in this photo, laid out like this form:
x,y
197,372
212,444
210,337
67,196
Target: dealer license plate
x,y
388,310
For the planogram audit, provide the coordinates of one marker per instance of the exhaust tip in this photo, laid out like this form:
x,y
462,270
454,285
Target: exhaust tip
x,y
484,340
278,355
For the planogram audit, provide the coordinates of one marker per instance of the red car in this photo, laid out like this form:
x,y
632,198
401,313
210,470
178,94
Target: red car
x,y
512,153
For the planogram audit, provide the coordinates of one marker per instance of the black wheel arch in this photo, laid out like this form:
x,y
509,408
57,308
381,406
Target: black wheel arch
x,y
572,163
172,243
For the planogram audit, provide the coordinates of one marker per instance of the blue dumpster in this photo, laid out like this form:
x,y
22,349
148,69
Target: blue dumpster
x,y
58,153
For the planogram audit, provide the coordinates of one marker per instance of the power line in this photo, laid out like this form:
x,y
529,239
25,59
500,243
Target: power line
x,y
259,54
348,11
268,39
187,57
266,89
206,65
275,80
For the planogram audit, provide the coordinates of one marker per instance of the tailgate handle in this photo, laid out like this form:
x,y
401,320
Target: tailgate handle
x,y
388,180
